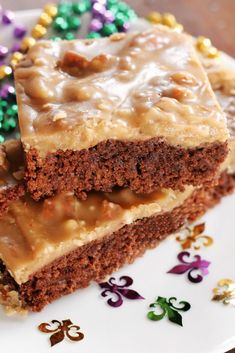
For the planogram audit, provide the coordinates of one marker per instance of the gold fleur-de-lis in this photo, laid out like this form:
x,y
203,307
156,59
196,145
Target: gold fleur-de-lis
x,y
225,295
195,238
60,330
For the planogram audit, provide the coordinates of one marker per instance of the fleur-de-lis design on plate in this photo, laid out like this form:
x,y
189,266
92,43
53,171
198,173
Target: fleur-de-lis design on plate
x,y
194,266
60,330
225,292
119,290
169,309
195,238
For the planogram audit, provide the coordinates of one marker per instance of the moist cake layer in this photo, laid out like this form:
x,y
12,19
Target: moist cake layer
x,y
99,258
76,94
11,173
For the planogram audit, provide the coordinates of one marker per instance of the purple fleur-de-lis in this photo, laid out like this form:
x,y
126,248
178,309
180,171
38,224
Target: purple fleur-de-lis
x,y
197,265
119,290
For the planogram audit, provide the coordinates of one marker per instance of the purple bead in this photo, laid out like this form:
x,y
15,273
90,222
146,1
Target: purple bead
x,y
3,51
6,90
15,47
125,27
19,31
7,17
108,16
98,10
96,25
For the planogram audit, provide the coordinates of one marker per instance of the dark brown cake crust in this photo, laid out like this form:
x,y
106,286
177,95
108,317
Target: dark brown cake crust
x,y
96,260
9,195
142,166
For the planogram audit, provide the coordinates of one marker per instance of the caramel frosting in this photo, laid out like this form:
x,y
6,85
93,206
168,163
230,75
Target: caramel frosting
x,y
135,86
32,234
11,164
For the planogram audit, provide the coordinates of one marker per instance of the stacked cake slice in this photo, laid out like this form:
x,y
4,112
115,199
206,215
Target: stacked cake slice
x,y
124,143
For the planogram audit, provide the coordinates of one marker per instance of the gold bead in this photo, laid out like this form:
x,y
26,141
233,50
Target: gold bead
x,y
27,43
17,56
169,20
203,43
5,71
213,53
51,10
38,31
45,20
154,17
14,62
178,28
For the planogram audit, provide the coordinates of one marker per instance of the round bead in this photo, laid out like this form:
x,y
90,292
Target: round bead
x,y
203,43
131,14
19,31
125,27
69,36
9,124
169,20
60,24
80,7
213,53
38,31
108,16
3,104
51,10
112,2
7,17
45,20
120,20
109,29
5,71
3,51
74,23
27,43
122,6
178,28
154,17
93,35
96,25
98,9
2,139
114,9
6,90
17,56
64,9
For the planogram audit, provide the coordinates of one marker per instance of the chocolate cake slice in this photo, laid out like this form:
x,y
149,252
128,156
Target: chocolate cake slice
x,y
134,110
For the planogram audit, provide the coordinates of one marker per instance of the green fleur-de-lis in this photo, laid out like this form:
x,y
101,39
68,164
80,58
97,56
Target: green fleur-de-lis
x,y
168,309
225,292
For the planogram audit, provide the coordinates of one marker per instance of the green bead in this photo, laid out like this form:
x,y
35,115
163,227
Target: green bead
x,y
108,29
2,139
60,24
111,3
69,36
9,124
93,35
121,19
3,104
80,7
74,23
56,38
11,111
64,8
14,107
1,115
123,7
131,14
114,9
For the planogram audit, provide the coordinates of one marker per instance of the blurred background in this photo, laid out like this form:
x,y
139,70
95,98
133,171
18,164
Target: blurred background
x,y
212,18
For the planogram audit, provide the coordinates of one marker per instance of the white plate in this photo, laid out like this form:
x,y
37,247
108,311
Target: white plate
x,y
208,327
